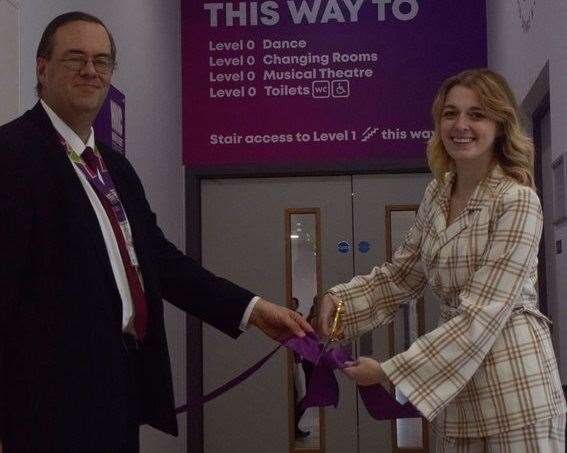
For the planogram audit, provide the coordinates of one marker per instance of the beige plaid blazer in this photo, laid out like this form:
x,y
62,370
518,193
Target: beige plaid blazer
x,y
489,367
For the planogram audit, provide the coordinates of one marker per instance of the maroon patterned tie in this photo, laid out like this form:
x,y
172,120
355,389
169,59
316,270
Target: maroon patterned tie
x,y
136,291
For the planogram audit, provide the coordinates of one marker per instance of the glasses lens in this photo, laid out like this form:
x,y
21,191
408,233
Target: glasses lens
x,y
74,63
102,66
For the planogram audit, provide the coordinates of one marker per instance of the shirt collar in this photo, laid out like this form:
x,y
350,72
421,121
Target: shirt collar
x,y
68,134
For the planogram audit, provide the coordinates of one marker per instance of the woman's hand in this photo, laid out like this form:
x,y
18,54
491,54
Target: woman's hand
x,y
365,371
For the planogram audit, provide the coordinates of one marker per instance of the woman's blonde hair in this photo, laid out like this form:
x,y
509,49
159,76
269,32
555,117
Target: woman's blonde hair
x,y
514,150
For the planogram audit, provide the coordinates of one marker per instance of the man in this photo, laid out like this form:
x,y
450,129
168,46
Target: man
x,y
83,353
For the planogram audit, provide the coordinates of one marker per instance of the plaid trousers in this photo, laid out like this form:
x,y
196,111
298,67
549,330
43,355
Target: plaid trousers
x,y
546,436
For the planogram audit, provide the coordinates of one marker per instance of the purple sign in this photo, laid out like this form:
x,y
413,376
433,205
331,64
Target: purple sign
x,y
110,124
311,83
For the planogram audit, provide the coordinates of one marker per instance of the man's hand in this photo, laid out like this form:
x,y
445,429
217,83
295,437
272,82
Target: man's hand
x,y
365,371
327,309
278,322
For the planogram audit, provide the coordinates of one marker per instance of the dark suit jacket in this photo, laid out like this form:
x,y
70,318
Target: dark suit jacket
x,y
61,359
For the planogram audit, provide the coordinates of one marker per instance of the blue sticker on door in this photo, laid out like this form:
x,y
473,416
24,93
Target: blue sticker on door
x,y
343,247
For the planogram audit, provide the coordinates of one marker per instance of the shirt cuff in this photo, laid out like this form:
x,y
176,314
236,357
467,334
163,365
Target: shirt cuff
x,y
246,316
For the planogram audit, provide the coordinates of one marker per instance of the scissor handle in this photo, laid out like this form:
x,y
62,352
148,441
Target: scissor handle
x,y
336,319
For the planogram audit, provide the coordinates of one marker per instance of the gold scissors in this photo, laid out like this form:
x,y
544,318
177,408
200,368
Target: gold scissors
x,y
334,327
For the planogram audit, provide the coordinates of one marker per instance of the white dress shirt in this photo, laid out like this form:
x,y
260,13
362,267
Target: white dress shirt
x,y
77,144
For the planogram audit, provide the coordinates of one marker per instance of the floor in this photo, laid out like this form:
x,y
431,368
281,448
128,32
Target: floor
x,y
309,422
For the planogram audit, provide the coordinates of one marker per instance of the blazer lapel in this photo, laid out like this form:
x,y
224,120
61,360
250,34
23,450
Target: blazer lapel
x,y
454,229
481,196
439,217
80,206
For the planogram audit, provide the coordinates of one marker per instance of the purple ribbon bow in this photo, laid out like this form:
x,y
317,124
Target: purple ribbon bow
x,y
323,389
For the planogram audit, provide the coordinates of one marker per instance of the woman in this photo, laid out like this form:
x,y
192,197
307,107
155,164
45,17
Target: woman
x,y
487,374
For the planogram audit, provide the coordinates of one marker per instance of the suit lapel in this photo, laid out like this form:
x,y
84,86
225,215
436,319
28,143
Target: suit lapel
x,y
454,229
444,233
439,215
80,207
480,197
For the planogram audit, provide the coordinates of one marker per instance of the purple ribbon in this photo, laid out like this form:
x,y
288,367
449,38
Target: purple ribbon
x,y
322,389
197,402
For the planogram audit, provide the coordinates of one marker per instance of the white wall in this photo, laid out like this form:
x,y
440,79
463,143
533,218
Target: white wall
x,y
520,56
147,36
9,59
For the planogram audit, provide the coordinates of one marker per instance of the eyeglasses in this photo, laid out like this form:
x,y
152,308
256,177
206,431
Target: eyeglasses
x,y
102,65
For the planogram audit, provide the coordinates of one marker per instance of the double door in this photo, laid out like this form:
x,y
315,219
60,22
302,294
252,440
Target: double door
x,y
245,238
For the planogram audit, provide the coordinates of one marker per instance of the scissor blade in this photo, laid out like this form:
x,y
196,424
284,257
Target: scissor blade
x,y
323,350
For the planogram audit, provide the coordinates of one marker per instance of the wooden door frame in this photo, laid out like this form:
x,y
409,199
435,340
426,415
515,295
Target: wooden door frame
x,y
391,335
289,294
